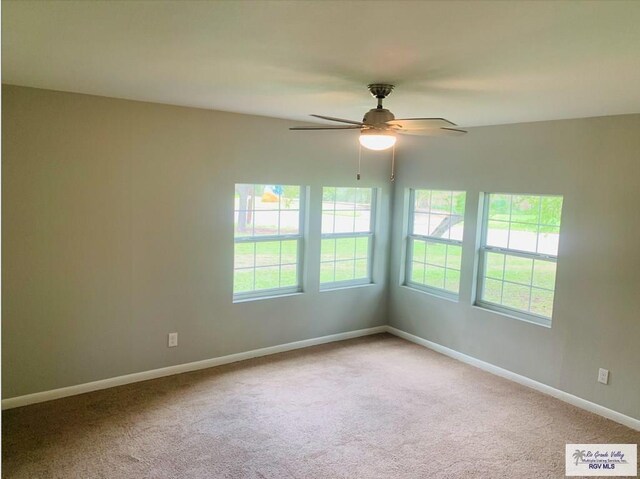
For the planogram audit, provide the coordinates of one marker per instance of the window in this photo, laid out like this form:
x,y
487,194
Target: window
x,y
268,240
434,242
347,236
518,254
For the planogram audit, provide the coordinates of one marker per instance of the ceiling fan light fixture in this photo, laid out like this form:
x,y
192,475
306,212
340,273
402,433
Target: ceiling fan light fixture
x,y
377,140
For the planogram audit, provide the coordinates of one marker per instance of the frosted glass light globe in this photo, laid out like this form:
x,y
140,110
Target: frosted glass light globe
x,y
377,141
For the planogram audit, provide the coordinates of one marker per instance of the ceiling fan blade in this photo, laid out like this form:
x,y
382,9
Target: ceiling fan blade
x,y
421,123
433,132
325,128
341,120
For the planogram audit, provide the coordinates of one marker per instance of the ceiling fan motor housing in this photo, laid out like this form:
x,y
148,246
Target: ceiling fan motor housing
x,y
377,116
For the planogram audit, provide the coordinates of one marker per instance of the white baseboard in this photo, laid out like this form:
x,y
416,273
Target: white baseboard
x,y
180,368
525,381
232,358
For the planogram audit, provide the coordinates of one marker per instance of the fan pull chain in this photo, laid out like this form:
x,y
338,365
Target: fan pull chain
x,y
393,163
359,159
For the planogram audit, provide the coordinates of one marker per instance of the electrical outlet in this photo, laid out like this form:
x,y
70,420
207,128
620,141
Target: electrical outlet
x,y
173,340
603,376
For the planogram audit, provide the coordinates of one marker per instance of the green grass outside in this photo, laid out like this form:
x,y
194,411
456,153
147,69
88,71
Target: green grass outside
x,y
441,269
436,265
342,259
345,259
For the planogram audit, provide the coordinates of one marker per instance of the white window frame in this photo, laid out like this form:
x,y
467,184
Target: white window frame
x,y
361,234
412,236
299,237
482,254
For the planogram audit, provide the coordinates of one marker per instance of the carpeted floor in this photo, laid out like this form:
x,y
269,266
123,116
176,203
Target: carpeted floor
x,y
373,407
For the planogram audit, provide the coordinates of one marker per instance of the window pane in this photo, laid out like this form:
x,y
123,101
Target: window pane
x,y
268,278
289,197
345,270
362,221
494,266
289,222
456,228
349,257
266,209
454,257
542,302
421,224
361,269
548,241
265,223
525,209
417,273
439,225
344,221
362,247
438,213
544,274
436,254
498,234
515,296
268,253
441,202
243,280
345,198
289,252
518,270
499,207
422,199
328,250
551,210
434,277
419,249
492,291
243,223
452,280
327,223
345,248
523,237
524,222
289,275
327,272
364,197
244,255
458,199
346,210
328,197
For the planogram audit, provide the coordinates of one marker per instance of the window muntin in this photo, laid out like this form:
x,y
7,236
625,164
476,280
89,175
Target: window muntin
x,y
268,240
518,254
434,241
347,236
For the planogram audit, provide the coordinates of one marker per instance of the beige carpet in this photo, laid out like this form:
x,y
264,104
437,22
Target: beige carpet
x,y
374,407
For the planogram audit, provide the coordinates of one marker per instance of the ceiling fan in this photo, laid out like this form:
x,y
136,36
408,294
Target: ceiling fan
x,y
379,126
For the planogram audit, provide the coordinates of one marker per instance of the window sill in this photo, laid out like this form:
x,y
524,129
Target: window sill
x,y
338,287
434,294
513,315
271,296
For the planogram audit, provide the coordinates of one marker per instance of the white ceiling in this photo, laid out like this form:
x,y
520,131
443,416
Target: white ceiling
x,y
476,63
